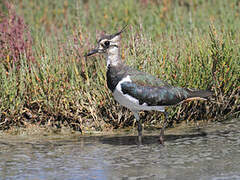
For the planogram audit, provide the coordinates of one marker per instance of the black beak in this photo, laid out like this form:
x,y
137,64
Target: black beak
x,y
94,51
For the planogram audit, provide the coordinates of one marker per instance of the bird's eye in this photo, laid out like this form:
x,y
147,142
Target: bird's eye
x,y
106,43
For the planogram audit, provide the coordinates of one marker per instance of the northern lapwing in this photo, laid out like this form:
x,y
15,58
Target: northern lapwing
x,y
138,90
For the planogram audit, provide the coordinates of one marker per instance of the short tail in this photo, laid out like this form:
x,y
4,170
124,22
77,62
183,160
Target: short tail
x,y
198,94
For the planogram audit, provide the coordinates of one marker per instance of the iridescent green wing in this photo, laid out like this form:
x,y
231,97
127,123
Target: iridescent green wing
x,y
152,91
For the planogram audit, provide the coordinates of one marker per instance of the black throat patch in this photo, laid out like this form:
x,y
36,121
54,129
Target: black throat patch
x,y
114,75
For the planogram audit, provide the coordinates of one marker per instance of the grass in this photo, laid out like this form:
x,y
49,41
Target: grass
x,y
46,80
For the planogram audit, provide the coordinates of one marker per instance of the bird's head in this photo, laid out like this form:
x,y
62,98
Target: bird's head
x,y
106,43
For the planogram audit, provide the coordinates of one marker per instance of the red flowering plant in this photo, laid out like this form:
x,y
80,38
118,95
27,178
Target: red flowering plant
x,y
15,39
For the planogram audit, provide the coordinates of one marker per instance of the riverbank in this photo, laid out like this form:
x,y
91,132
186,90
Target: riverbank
x,y
36,131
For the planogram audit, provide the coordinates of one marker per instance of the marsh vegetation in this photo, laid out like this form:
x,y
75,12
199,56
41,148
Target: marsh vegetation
x,y
45,79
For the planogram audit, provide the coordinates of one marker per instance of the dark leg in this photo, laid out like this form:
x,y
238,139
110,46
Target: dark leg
x,y
163,128
139,128
140,132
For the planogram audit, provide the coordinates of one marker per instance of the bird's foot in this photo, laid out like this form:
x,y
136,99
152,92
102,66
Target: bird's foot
x,y
161,137
140,140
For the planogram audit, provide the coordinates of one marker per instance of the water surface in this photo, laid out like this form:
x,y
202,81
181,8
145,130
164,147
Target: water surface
x,y
211,152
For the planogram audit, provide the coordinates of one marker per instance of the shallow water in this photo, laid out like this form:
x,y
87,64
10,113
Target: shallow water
x,y
211,152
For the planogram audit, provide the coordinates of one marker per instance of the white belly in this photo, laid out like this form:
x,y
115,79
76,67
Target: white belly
x,y
132,103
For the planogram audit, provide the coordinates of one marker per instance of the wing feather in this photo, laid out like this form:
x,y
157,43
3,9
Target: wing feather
x,y
153,91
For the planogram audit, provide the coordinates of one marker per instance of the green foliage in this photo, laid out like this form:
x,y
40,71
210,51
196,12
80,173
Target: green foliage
x,y
188,43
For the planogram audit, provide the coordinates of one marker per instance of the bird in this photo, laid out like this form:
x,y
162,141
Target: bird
x,y
137,90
